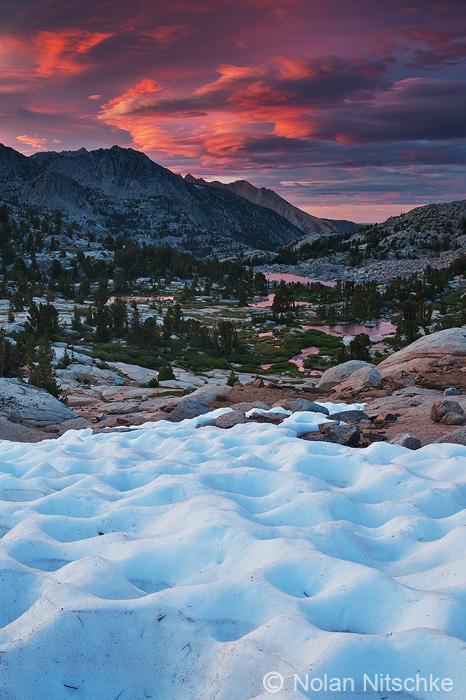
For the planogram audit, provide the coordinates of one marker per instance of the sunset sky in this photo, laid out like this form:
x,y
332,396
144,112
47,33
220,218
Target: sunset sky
x,y
351,110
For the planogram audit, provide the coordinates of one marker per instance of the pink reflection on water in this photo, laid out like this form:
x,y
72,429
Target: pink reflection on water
x,y
382,327
298,360
278,276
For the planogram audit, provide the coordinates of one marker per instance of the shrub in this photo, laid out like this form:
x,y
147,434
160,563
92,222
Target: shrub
x,y
153,383
232,378
166,372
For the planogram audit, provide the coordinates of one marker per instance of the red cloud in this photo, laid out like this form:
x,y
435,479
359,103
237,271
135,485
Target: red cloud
x,y
61,53
134,98
245,103
46,55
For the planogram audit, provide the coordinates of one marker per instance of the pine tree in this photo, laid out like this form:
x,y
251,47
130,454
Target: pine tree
x,y
165,372
43,376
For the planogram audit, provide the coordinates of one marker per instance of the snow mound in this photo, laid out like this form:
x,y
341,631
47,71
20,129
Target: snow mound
x,y
185,562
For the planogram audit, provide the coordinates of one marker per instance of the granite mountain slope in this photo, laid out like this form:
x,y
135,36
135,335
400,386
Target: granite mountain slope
x,y
120,191
264,197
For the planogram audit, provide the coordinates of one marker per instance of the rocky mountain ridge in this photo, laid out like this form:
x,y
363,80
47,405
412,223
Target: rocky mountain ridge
x,y
271,200
433,235
120,191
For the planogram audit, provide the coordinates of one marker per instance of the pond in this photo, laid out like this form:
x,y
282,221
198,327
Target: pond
x,y
298,360
279,276
380,327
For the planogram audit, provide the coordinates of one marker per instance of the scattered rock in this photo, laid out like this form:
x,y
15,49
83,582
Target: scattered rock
x,y
336,375
228,420
402,399
284,403
245,406
385,417
188,409
453,419
314,437
447,361
368,436
329,424
275,418
451,391
118,381
406,440
457,437
440,409
353,416
305,405
209,393
343,434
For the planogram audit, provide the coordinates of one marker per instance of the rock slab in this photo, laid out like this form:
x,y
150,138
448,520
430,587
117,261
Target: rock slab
x,y
424,353
406,440
26,403
305,405
228,420
457,437
352,416
336,375
188,409
365,378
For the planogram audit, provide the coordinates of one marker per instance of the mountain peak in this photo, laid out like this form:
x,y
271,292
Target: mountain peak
x,y
16,167
116,171
269,199
72,154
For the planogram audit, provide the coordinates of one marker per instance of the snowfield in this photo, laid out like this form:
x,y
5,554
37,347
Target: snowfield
x,y
184,563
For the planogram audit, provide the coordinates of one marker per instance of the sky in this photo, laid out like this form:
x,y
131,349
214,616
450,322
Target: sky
x,y
350,110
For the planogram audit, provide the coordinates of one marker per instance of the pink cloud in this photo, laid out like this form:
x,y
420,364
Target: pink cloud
x,y
34,141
